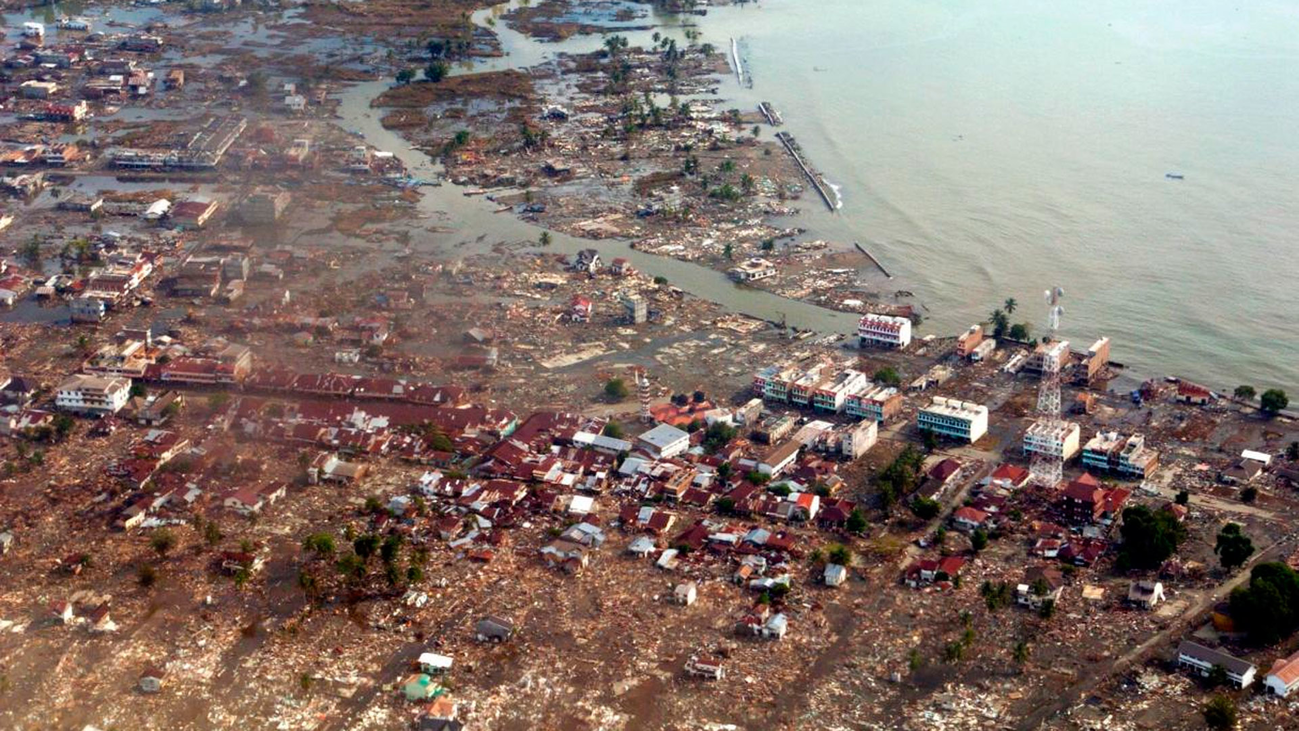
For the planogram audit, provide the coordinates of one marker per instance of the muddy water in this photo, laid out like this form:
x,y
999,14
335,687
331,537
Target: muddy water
x,y
476,227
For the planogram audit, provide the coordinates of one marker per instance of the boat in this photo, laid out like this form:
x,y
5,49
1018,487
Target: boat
x,y
1174,176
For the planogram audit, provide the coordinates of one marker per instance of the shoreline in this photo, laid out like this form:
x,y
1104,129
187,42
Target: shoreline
x,y
1129,378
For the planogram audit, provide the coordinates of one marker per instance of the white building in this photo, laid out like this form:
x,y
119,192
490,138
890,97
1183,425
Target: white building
x,y
857,440
884,330
753,269
832,394
664,441
1203,660
33,30
1283,678
953,418
1057,440
93,394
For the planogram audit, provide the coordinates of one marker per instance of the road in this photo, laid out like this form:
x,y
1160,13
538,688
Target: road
x,y
1075,693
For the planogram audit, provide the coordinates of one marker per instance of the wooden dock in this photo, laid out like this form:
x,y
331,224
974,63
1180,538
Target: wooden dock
x,y
874,261
791,146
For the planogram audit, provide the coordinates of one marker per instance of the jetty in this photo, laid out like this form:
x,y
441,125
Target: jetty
x,y
813,177
871,256
773,117
739,65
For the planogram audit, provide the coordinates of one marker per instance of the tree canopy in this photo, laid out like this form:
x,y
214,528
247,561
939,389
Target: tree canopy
x,y
1234,547
1149,538
1268,607
1273,401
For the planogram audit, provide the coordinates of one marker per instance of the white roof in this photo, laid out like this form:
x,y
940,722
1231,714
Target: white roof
x,y
663,435
434,660
1263,457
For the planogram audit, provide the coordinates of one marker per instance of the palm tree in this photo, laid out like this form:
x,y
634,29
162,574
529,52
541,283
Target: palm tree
x,y
1010,305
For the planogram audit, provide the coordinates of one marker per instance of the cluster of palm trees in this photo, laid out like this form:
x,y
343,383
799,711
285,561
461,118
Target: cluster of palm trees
x,y
999,319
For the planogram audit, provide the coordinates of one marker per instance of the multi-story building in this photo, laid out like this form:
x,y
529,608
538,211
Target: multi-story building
x,y
1044,354
832,394
1085,501
772,383
953,418
93,394
881,403
1098,356
131,360
1203,660
857,440
801,390
894,332
968,341
1127,457
1058,440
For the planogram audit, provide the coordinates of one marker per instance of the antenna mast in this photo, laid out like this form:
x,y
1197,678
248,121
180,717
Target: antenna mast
x,y
1047,466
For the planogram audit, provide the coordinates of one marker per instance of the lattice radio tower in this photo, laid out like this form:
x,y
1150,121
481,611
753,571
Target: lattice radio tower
x,y
1047,466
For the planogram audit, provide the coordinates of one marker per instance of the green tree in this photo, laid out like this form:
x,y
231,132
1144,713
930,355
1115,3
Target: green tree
x,y
856,522
1292,451
1149,538
1268,607
390,549
926,508
1010,305
1220,713
1245,393
840,554
1233,547
978,540
888,376
321,544
1183,497
212,533
1020,331
405,76
1000,323
436,71
1273,401
1021,652
365,546
613,430
147,575
162,541
615,389
1249,495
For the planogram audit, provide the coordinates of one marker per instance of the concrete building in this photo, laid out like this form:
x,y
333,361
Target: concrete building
x,y
894,332
1202,660
1058,440
753,270
1045,354
93,395
857,440
1093,364
960,420
1127,457
832,394
968,341
263,207
664,441
779,458
881,403
1283,678
637,308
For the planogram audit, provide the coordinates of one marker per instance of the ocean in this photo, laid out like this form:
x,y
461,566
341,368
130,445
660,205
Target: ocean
x,y
991,150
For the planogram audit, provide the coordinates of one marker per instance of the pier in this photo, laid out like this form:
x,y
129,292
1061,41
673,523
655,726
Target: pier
x,y
813,177
773,117
739,65
874,261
